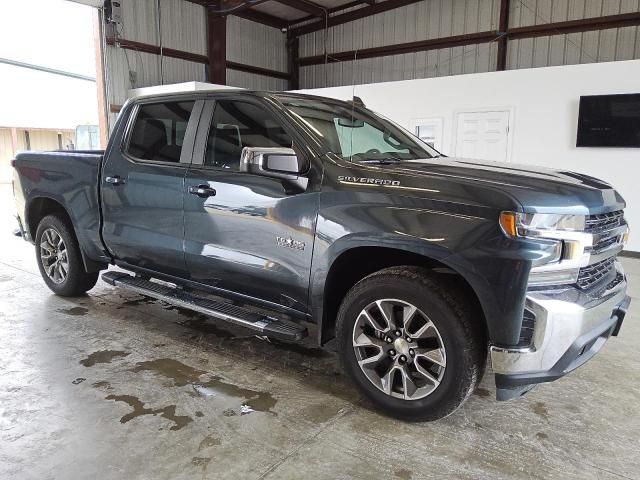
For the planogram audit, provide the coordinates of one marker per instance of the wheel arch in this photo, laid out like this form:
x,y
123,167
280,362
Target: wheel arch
x,y
41,206
353,264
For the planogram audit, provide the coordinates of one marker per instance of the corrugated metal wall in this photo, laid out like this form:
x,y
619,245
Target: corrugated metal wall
x,y
260,46
420,21
587,47
184,28
440,18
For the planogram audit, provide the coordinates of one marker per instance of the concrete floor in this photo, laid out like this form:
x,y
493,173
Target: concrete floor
x,y
114,385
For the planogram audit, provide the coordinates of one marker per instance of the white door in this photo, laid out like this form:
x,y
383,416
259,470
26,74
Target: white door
x,y
483,135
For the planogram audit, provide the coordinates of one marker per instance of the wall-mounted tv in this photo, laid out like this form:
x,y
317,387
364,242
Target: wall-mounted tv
x,y
609,121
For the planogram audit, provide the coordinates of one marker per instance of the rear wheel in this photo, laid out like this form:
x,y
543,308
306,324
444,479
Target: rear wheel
x,y
59,258
410,344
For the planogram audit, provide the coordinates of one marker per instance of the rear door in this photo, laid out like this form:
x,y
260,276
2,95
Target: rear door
x,y
143,186
253,236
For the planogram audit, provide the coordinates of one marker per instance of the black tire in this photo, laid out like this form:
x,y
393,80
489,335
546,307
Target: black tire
x,y
77,281
461,334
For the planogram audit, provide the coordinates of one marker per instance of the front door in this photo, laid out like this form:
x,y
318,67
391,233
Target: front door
x,y
483,135
247,233
143,186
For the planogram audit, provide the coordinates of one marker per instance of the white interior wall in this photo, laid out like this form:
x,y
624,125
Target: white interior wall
x,y
544,103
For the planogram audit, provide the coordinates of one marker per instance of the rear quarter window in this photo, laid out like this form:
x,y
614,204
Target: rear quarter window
x,y
158,131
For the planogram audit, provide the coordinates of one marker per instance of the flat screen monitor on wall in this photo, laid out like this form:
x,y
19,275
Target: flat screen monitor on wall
x,y
609,121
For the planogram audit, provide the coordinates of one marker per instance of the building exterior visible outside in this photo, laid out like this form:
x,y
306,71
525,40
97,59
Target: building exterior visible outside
x,y
14,140
48,92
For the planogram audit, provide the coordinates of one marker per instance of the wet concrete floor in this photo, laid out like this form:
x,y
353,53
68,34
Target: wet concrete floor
x,y
114,385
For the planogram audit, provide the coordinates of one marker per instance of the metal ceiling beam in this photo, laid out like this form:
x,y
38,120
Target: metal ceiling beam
x,y
339,8
351,16
156,50
400,48
242,8
263,18
576,26
503,27
257,70
305,6
223,5
217,49
193,57
293,60
549,29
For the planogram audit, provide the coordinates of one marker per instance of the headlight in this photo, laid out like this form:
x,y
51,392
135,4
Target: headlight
x,y
540,224
566,232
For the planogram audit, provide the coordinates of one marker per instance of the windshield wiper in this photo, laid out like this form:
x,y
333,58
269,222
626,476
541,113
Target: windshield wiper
x,y
382,161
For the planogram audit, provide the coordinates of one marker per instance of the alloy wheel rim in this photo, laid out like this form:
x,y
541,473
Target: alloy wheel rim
x,y
399,349
53,255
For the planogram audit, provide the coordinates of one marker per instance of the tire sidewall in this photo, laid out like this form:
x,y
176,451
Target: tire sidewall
x,y
454,385
76,268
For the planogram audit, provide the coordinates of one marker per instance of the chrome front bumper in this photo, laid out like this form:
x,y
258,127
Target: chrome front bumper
x,y
571,327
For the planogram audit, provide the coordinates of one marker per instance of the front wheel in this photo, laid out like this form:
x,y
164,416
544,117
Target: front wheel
x,y
410,344
60,260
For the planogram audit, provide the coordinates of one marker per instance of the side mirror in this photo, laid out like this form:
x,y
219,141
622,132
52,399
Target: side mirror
x,y
279,162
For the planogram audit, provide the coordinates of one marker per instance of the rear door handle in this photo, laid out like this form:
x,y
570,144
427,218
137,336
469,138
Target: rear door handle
x,y
115,180
202,191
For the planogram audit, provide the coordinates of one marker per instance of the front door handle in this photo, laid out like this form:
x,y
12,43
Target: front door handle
x,y
202,191
115,180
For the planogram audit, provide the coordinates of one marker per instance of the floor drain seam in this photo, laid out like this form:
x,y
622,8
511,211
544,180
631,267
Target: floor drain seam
x,y
341,414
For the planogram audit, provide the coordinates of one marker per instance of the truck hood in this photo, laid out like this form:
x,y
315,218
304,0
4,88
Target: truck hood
x,y
537,189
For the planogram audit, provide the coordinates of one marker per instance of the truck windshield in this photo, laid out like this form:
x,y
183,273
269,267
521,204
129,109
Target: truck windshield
x,y
355,133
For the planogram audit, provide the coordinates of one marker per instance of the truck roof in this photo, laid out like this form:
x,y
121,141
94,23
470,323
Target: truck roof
x,y
234,92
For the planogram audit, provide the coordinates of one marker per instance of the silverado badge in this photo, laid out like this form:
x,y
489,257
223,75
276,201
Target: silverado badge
x,y
368,180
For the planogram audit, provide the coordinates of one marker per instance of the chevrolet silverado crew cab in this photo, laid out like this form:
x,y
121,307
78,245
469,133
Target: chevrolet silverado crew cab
x,y
280,211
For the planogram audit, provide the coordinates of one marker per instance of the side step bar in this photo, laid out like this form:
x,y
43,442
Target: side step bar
x,y
266,325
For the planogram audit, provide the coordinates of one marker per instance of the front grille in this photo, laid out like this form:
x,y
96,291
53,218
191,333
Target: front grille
x,y
604,221
619,278
607,242
593,274
526,331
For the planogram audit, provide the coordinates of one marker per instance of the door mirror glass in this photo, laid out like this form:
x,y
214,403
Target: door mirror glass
x,y
282,162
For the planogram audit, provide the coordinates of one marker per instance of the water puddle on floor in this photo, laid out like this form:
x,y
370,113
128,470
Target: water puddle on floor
x,y
134,302
204,325
208,385
102,356
482,392
74,311
208,441
201,462
102,384
168,412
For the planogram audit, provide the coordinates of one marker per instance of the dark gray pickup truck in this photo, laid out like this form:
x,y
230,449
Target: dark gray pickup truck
x,y
282,212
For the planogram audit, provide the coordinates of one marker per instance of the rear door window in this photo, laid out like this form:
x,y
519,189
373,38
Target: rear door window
x,y
159,130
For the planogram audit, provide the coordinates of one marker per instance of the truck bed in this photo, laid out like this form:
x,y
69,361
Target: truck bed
x,y
70,178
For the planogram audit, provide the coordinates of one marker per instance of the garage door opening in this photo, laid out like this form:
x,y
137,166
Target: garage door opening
x,y
48,82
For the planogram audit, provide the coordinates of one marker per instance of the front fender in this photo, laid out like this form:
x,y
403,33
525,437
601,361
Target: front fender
x,y
356,220
464,238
